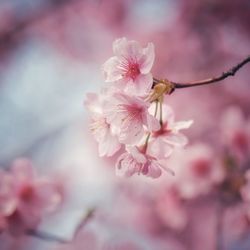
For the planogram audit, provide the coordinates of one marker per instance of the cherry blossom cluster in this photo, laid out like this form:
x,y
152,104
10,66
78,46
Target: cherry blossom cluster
x,y
129,113
25,198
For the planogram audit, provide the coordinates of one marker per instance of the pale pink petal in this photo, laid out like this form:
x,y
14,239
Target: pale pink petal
x,y
152,123
141,85
131,132
119,45
126,166
99,128
147,60
111,70
151,169
176,139
128,49
109,145
8,201
135,152
181,125
159,148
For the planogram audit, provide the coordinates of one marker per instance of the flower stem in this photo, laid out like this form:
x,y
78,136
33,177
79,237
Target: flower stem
x,y
161,112
145,145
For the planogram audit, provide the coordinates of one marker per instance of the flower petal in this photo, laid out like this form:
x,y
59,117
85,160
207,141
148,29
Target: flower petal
x,y
147,60
176,139
136,154
131,133
152,123
151,169
111,70
109,145
126,166
128,49
141,85
181,125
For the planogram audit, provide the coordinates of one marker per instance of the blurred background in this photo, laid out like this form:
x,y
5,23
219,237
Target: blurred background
x,y
51,52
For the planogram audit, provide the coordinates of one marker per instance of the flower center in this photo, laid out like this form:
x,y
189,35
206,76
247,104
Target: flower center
x,y
132,70
27,193
201,167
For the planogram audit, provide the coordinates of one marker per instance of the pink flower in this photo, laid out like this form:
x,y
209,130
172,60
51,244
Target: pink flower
x,y
197,171
108,143
163,140
136,162
171,210
129,115
7,200
30,198
130,67
236,132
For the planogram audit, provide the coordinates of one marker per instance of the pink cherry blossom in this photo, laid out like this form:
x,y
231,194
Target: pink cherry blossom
x,y
7,200
197,171
108,143
135,161
129,115
171,209
164,140
30,198
130,67
236,132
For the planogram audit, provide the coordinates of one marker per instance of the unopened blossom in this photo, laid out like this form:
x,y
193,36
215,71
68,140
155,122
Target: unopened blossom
x,y
130,67
107,139
30,198
169,135
135,161
130,116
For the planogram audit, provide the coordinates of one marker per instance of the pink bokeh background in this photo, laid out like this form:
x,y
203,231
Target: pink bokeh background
x,y
51,53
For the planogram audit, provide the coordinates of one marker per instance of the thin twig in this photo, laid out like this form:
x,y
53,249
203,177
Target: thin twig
x,y
224,75
219,227
54,238
46,236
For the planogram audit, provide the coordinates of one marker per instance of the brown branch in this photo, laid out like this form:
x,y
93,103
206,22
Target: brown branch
x,y
54,238
46,236
224,75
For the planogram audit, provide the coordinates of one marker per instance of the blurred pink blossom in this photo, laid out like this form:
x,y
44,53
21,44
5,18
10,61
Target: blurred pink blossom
x,y
199,171
130,67
236,132
171,209
30,197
